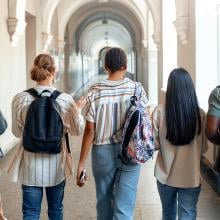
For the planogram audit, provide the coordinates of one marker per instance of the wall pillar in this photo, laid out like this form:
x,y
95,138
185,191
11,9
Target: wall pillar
x,y
182,20
16,20
139,65
61,44
46,41
145,72
157,36
186,44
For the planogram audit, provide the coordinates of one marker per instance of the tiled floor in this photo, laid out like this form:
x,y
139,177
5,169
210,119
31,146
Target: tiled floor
x,y
79,203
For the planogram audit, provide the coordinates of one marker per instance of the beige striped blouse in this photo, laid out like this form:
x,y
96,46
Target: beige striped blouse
x,y
107,106
37,169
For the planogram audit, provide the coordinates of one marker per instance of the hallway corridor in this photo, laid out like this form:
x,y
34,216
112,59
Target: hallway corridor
x,y
156,35
79,203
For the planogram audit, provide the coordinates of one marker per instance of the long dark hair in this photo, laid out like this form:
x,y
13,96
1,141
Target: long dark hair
x,y
183,118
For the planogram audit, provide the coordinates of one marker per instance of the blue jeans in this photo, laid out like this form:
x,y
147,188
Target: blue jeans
x,y
32,199
116,184
182,199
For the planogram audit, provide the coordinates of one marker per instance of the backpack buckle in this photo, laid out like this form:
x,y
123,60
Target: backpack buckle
x,y
133,100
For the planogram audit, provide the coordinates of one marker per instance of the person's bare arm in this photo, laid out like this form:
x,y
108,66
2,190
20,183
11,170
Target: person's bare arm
x,y
86,145
212,129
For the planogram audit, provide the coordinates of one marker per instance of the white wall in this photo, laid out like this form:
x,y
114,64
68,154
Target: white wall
x,y
206,49
12,74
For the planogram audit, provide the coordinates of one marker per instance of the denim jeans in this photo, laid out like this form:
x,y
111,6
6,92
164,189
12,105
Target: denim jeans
x,y
116,184
183,200
32,199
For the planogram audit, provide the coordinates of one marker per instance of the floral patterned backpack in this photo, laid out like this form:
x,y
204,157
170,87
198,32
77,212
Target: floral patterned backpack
x,y
137,139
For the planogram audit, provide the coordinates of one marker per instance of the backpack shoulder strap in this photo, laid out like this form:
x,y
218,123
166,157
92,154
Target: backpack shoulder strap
x,y
55,94
67,142
137,94
137,91
33,92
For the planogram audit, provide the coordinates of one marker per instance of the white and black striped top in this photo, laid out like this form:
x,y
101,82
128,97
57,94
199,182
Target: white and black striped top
x,y
107,106
36,169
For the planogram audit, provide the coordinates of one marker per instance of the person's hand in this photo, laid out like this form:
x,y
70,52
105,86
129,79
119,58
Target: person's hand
x,y
81,102
80,170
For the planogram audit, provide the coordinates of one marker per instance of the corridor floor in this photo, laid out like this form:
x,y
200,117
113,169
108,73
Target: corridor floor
x,y
79,203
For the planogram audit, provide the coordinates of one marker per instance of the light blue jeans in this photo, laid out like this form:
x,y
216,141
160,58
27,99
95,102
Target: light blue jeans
x,y
116,183
32,198
182,199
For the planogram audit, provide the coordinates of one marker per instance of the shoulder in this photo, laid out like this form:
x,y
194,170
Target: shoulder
x,y
138,84
96,86
215,94
130,81
65,96
159,108
65,99
22,97
95,89
159,111
202,114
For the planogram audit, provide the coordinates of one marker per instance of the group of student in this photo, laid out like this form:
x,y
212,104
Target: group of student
x,y
179,128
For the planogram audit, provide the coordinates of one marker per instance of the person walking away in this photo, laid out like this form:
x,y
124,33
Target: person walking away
x,y
107,106
213,123
41,117
179,133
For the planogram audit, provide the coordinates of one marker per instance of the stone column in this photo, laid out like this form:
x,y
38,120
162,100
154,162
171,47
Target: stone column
x,y
145,72
61,44
16,20
139,67
185,27
157,36
46,41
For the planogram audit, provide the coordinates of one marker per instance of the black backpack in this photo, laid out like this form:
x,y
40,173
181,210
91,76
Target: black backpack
x,y
43,130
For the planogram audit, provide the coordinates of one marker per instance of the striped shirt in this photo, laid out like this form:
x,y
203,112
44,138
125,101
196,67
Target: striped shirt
x,y
107,106
37,169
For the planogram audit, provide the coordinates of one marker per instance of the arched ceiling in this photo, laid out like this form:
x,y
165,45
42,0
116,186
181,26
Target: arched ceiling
x,y
91,18
98,35
130,6
123,18
68,7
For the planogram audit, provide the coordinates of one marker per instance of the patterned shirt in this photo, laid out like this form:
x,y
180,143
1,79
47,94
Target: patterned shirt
x,y
37,169
107,106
